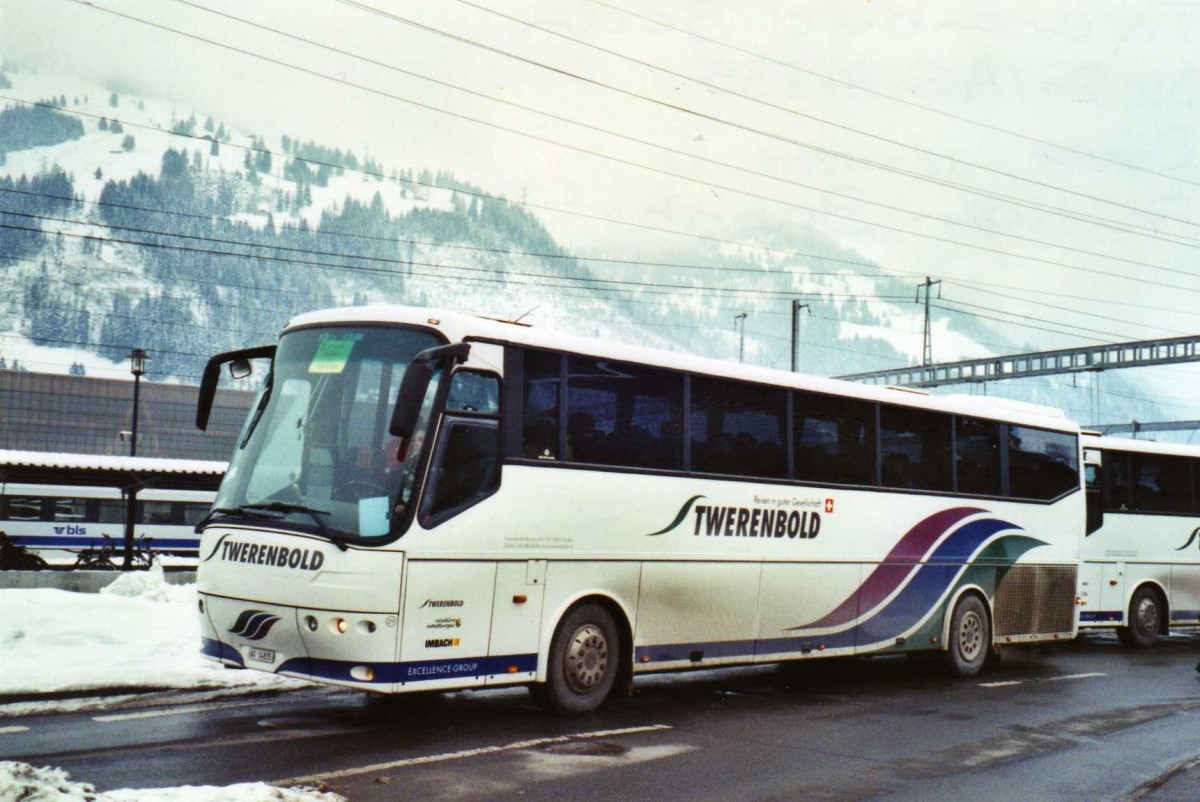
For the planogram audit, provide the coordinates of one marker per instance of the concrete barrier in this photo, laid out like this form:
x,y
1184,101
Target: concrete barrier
x,y
78,581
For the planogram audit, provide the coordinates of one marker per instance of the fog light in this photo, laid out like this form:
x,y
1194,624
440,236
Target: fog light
x,y
366,627
363,673
338,626
311,623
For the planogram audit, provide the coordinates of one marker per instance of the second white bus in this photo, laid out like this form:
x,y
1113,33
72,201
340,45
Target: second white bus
x,y
1141,566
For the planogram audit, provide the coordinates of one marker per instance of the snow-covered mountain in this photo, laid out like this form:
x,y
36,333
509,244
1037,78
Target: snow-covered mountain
x,y
130,221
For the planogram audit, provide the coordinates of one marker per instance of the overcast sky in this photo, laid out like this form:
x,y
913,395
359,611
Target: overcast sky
x,y
887,129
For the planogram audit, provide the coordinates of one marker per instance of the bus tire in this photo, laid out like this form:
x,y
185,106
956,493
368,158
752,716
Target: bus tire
x,y
970,636
585,656
1145,619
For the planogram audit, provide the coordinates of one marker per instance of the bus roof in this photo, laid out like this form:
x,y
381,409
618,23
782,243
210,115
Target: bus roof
x,y
1139,446
461,326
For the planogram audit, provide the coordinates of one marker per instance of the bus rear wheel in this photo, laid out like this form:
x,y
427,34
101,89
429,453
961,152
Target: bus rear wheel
x,y
584,657
1145,620
970,636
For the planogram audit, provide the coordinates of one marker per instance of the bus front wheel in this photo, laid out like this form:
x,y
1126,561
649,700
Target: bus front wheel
x,y
584,657
970,636
1145,620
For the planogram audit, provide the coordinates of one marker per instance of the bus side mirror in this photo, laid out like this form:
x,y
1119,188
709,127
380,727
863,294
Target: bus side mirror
x,y
411,395
410,398
239,368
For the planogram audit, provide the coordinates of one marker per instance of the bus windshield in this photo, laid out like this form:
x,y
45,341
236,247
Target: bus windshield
x,y
316,451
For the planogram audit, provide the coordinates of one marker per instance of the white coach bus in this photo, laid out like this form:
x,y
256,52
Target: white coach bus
x,y
1141,564
427,500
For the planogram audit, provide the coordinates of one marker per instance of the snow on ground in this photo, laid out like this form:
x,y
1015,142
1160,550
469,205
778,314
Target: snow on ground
x,y
137,633
20,782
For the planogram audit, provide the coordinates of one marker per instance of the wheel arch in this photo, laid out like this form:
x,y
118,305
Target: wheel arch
x,y
948,613
1164,603
621,618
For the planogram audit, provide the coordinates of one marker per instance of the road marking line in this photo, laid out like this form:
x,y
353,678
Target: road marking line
x,y
7,730
484,750
1075,676
1011,682
174,711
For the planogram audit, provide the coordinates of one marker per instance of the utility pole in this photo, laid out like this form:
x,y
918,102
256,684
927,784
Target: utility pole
x,y
796,307
927,340
740,321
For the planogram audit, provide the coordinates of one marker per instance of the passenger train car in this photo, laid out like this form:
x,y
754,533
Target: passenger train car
x,y
67,502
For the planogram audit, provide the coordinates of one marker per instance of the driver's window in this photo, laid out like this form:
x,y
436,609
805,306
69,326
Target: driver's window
x,y
466,468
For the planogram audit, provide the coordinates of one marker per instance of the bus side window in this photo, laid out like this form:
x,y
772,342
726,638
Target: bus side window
x,y
1161,484
915,447
466,468
1115,478
472,391
977,456
738,428
543,373
1042,464
834,439
623,414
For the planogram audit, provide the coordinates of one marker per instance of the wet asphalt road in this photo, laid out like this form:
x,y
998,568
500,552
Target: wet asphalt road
x,y
1088,720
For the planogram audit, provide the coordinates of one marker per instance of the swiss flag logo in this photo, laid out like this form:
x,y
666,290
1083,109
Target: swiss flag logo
x,y
828,505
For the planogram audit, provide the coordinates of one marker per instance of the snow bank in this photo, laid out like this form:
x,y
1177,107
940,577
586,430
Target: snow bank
x,y
139,632
20,781
151,586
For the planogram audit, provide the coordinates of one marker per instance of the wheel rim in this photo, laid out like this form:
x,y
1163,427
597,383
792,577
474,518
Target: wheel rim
x,y
1146,618
586,658
970,635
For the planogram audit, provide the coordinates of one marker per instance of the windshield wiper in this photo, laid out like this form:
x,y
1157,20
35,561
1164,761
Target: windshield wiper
x,y
265,511
246,511
315,514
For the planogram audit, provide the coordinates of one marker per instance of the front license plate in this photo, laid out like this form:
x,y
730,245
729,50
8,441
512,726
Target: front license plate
x,y
261,655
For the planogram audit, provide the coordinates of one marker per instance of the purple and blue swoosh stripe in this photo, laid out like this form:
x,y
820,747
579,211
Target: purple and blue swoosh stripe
x,y
919,584
900,562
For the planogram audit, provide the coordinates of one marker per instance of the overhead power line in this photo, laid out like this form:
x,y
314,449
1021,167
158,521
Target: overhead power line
x,y
1121,226
547,140
892,98
737,94
751,246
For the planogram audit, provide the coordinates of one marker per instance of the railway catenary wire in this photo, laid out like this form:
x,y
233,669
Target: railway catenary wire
x,y
893,98
738,94
1023,257
1078,216
548,140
